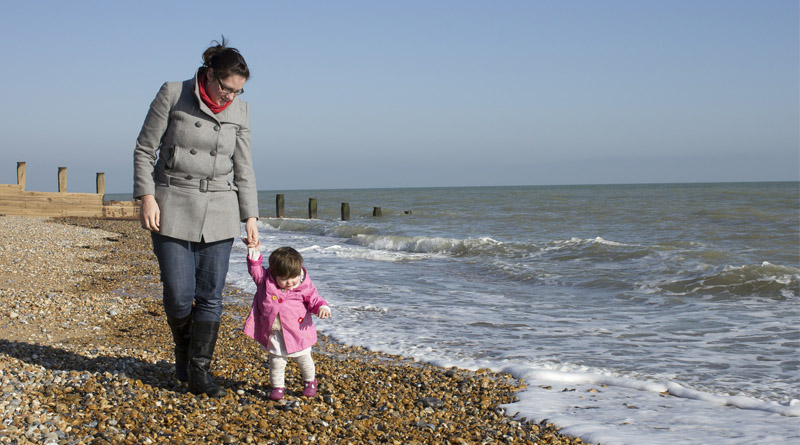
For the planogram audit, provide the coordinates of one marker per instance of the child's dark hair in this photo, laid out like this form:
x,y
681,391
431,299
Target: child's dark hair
x,y
225,61
285,262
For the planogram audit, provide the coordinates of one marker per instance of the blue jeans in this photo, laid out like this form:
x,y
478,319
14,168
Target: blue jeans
x,y
192,273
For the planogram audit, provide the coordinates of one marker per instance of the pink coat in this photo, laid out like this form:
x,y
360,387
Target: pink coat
x,y
295,307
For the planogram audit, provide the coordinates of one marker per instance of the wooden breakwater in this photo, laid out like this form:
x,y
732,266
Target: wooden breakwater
x,y
280,204
15,200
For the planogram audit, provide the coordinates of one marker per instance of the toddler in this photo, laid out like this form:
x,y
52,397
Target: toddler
x,y
280,318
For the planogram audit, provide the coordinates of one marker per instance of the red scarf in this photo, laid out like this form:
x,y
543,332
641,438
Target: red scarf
x,y
201,84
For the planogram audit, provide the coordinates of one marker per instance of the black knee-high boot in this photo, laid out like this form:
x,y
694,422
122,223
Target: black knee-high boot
x,y
182,335
201,351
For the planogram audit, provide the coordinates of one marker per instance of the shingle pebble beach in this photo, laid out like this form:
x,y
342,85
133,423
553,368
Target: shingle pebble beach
x,y
86,358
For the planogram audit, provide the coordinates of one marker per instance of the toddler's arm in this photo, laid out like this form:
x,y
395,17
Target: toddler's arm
x,y
315,303
254,263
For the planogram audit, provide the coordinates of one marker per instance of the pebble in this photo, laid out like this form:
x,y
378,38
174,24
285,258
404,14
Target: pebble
x,y
85,357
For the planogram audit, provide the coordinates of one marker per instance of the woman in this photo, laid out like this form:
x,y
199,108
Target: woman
x,y
193,172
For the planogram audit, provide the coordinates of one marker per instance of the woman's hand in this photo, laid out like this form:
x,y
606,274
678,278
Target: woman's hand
x,y
251,227
149,213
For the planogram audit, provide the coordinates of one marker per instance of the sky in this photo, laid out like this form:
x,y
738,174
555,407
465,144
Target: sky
x,y
419,93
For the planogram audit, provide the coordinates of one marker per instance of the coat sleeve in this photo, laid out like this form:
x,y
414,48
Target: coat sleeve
x,y
243,174
148,143
256,271
312,300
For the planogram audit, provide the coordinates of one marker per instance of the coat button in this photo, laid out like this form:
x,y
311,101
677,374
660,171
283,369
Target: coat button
x,y
213,152
216,127
193,151
299,320
274,297
280,300
198,124
189,177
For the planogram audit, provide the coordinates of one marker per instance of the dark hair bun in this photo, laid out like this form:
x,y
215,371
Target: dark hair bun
x,y
225,61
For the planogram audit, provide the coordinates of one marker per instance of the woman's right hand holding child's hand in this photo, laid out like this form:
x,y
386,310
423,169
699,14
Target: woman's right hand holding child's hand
x,y
251,242
253,252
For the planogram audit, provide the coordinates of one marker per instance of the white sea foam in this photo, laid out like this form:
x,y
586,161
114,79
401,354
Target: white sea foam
x,y
670,388
424,244
575,241
369,308
359,253
621,415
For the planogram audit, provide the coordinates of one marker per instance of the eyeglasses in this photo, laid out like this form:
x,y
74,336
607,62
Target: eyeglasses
x,y
225,90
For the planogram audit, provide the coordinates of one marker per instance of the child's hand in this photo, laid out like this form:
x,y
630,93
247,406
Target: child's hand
x,y
324,312
254,252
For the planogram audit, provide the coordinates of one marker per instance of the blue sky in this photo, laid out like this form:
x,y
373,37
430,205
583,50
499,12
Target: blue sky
x,y
414,93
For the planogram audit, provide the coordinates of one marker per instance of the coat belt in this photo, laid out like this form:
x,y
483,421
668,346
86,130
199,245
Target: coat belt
x,y
204,185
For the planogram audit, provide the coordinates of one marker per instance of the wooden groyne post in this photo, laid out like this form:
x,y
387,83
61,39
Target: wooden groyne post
x,y
101,183
62,179
21,175
279,203
312,208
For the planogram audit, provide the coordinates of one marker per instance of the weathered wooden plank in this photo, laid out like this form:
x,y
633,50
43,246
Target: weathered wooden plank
x,y
10,205
121,209
41,202
36,211
42,195
88,199
10,198
58,195
83,212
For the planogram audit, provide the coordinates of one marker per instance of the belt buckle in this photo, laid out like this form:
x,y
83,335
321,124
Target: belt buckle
x,y
204,185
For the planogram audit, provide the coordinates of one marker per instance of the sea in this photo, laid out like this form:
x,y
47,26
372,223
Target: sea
x,y
635,314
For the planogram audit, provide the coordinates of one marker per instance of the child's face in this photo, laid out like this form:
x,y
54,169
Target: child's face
x,y
287,282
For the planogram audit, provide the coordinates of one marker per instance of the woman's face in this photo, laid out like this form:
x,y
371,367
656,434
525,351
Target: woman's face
x,y
222,91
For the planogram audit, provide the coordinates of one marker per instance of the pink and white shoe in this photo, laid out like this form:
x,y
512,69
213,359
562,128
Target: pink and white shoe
x,y
310,389
277,393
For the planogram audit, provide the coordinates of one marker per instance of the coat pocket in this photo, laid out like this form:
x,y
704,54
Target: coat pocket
x,y
172,154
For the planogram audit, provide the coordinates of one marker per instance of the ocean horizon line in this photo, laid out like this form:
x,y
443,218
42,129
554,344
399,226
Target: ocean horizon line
x,y
610,184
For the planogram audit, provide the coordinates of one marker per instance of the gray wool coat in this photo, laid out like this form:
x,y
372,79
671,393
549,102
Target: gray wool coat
x,y
197,164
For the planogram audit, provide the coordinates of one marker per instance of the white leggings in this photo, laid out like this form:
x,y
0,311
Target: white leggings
x,y
277,367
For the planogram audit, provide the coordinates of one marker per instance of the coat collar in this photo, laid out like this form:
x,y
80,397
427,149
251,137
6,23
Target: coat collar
x,y
203,107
